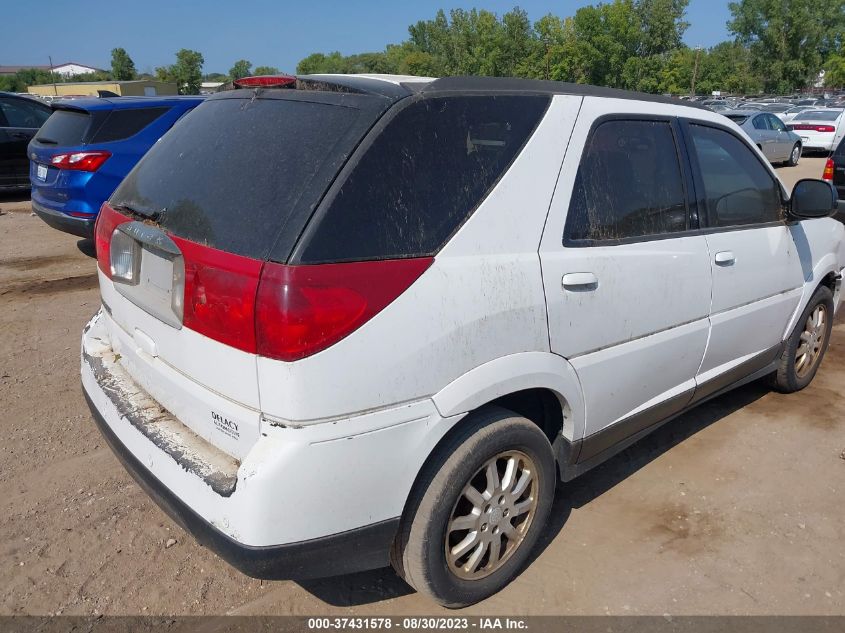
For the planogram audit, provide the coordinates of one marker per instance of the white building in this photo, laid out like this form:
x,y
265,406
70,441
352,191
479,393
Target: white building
x,y
66,69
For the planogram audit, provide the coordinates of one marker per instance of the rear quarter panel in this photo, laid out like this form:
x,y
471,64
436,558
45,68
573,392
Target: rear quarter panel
x,y
482,299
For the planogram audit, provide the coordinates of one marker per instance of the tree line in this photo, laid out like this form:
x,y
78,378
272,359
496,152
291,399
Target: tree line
x,y
186,72
778,46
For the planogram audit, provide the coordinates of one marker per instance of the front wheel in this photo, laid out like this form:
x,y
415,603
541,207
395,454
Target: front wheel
x,y
794,155
478,510
807,344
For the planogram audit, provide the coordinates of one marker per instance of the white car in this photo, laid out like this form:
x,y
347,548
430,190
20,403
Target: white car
x,y
360,320
818,129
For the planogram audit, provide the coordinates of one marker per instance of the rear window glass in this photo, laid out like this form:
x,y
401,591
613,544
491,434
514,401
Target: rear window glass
x,y
819,116
122,124
739,119
422,177
233,172
64,127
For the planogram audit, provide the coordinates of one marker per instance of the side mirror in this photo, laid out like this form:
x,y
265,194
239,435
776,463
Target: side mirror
x,y
812,198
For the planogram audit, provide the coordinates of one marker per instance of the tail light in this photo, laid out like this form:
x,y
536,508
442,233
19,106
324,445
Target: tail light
x,y
107,221
265,81
80,161
815,128
275,310
828,170
304,309
220,294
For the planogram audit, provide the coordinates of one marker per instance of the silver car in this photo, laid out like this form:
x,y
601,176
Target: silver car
x,y
777,143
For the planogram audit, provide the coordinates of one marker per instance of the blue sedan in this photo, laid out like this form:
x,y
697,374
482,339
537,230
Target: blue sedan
x,y
86,148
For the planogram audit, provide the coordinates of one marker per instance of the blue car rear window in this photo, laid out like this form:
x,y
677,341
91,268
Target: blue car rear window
x,y
64,127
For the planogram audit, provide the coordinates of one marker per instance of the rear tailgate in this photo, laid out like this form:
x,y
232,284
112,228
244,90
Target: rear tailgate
x,y
229,186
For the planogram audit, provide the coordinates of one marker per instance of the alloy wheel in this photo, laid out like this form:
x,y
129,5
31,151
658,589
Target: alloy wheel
x,y
492,515
812,341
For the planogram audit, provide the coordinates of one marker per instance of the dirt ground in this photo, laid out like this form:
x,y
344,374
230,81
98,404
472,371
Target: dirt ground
x,y
735,508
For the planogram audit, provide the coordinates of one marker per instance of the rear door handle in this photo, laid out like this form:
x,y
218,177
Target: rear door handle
x,y
725,258
579,282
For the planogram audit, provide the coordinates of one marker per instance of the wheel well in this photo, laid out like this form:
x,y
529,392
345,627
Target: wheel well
x,y
829,281
539,405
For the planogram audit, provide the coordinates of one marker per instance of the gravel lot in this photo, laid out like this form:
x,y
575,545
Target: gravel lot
x,y
735,508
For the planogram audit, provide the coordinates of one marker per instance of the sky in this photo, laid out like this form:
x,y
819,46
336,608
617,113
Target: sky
x,y
264,32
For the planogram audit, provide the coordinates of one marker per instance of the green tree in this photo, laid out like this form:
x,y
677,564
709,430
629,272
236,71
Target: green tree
x,y
634,44
34,77
266,70
242,68
122,66
788,39
834,76
662,25
318,63
186,72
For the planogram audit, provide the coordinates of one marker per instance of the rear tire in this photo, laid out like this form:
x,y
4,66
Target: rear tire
x,y
492,482
794,155
806,346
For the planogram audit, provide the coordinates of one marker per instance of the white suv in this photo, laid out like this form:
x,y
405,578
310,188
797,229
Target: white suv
x,y
362,320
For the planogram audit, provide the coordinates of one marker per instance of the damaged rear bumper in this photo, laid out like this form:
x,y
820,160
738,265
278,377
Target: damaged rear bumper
x,y
268,515
355,550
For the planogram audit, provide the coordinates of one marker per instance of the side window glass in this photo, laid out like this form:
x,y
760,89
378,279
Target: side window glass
x,y
776,123
423,176
738,189
23,115
760,122
629,184
122,124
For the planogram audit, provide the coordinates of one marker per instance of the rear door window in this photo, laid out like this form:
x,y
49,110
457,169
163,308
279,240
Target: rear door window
x,y
122,124
64,127
629,184
739,190
776,124
422,177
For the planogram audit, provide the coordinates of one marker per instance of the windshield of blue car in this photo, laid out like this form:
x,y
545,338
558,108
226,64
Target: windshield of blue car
x,y
739,119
